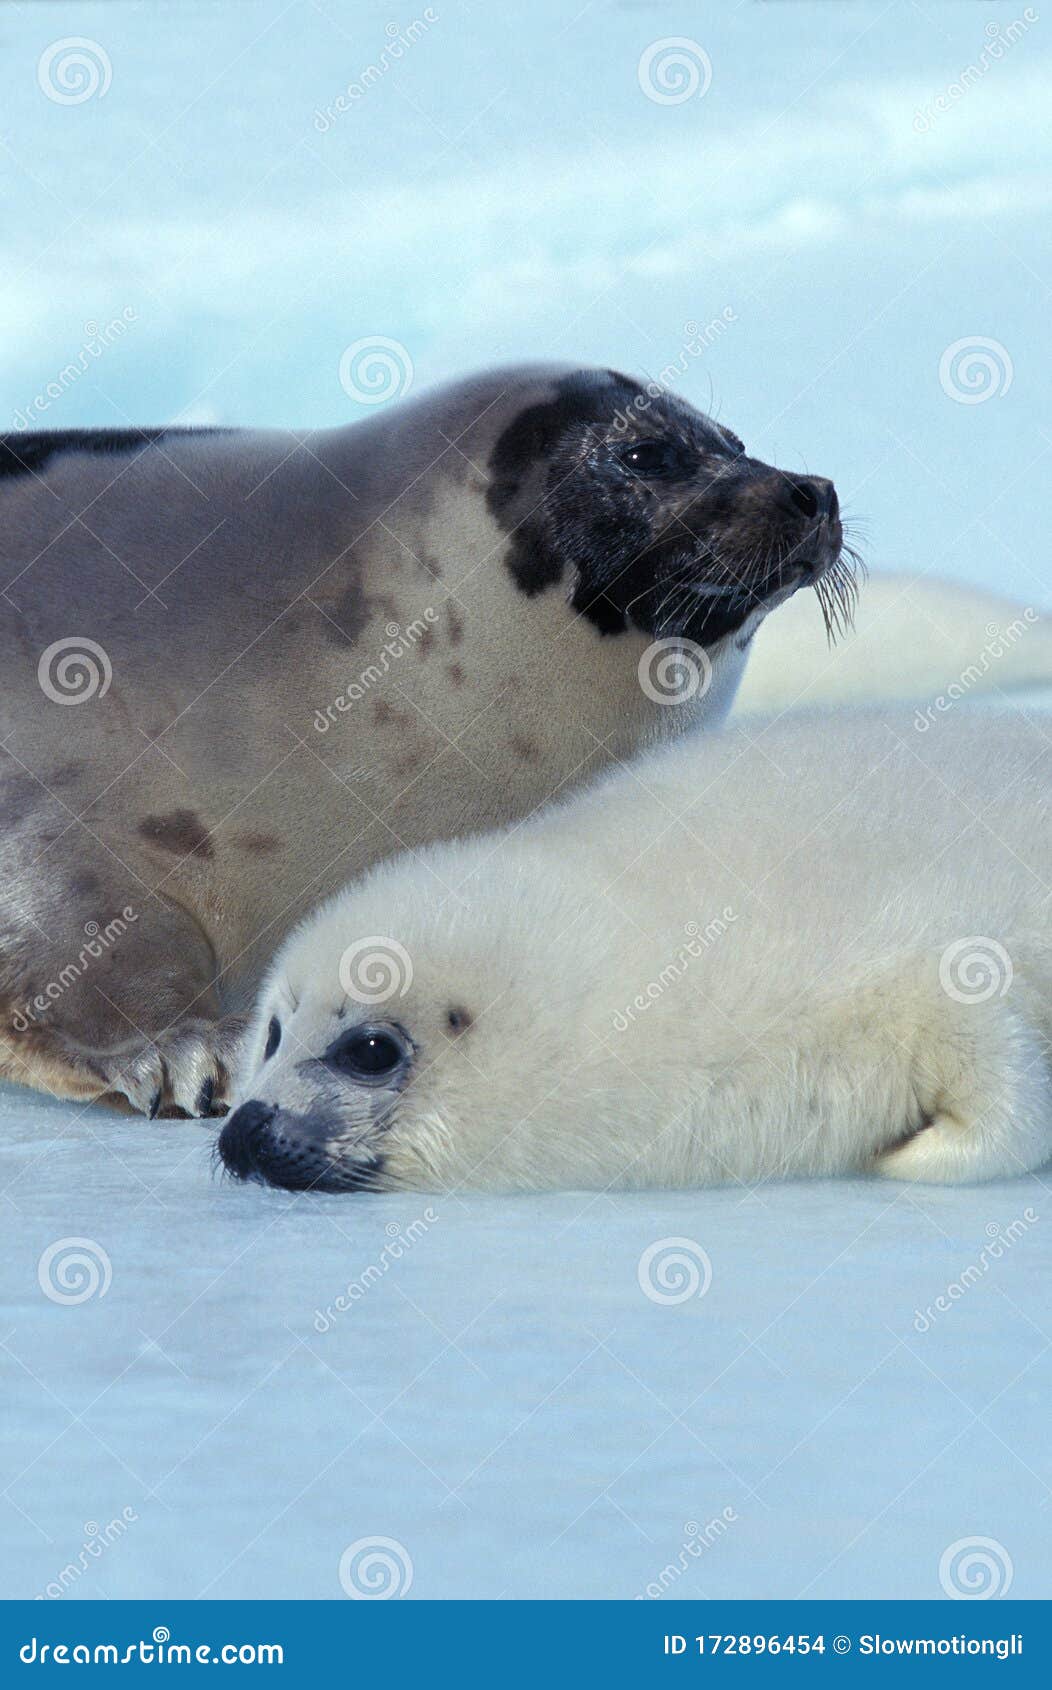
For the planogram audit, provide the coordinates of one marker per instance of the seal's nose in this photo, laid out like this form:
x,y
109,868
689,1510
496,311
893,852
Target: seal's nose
x,y
813,496
239,1141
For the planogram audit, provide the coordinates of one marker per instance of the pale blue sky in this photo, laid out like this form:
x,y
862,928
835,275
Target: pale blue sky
x,y
507,189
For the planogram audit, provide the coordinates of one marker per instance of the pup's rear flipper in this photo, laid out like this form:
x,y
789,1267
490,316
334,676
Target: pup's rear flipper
x,y
984,1088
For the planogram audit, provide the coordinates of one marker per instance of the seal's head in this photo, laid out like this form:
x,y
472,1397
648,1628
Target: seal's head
x,y
654,517
457,1054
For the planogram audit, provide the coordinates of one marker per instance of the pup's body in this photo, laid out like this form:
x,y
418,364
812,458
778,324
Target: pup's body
x,y
916,639
303,653
814,949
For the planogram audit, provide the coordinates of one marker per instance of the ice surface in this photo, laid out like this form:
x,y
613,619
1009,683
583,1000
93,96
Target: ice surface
x,y
504,1401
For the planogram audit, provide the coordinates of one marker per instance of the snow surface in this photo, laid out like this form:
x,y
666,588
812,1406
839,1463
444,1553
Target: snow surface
x,y
504,1401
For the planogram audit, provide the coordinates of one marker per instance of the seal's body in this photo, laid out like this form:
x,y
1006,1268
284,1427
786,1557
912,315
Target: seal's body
x,y
240,667
818,948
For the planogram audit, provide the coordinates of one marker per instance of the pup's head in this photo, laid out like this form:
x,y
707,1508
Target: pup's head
x,y
408,1039
654,517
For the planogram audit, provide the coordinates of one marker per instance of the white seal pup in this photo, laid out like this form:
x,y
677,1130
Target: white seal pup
x,y
821,948
291,655
914,639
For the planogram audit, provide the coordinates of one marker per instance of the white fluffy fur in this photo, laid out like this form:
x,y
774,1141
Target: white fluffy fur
x,y
821,1017
914,639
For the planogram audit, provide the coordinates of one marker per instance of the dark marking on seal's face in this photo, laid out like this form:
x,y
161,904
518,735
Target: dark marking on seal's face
x,y
456,674
455,624
34,452
181,831
649,515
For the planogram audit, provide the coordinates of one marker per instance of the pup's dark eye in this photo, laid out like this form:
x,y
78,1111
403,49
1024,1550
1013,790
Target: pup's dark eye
x,y
273,1038
655,459
369,1054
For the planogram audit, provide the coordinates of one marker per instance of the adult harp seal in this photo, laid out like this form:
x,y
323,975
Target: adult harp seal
x,y
292,655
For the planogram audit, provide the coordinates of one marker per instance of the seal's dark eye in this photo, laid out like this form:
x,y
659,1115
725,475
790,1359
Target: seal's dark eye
x,y
273,1038
369,1054
655,459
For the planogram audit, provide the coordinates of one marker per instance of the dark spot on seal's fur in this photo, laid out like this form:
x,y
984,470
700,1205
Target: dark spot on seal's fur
x,y
258,844
68,772
455,625
459,1020
524,748
456,674
181,832
385,714
32,453
425,642
84,883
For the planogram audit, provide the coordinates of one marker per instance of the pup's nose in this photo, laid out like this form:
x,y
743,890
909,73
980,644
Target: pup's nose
x,y
239,1139
813,496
